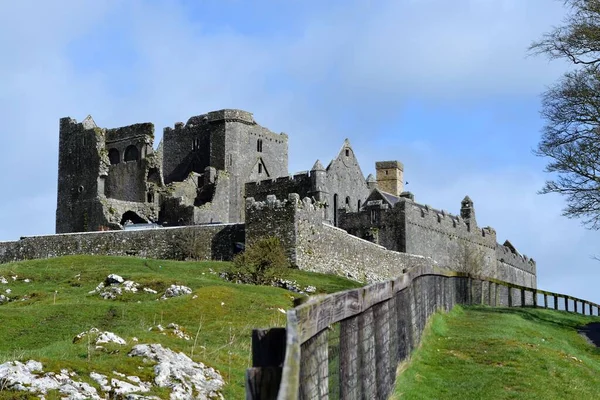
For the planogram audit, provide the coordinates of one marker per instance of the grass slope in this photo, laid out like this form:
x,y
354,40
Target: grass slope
x,y
500,353
219,320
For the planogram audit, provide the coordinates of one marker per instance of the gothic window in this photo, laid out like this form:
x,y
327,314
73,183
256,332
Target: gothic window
x,y
131,153
260,168
374,216
348,201
259,144
150,197
114,157
347,152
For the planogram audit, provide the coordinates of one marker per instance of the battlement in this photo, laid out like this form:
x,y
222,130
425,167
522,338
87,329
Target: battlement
x,y
142,130
298,177
272,202
450,222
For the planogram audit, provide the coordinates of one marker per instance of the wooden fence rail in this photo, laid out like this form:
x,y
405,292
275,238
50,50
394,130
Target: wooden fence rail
x,y
347,345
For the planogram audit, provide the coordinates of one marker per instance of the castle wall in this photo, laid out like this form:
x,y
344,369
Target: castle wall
x,y
188,148
419,229
246,160
314,245
82,168
214,242
448,240
300,183
126,179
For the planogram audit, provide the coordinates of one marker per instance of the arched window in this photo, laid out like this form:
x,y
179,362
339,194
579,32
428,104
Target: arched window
x,y
348,201
131,153
259,143
114,157
358,209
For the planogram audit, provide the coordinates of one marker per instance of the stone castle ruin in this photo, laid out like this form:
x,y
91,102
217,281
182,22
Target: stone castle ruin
x,y
224,178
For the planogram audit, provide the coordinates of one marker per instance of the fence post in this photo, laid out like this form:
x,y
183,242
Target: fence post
x,y
349,361
314,369
535,300
566,303
510,297
590,308
545,300
367,354
268,353
555,302
382,348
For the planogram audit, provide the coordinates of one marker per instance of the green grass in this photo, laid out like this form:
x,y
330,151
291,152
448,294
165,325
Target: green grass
x,y
59,307
500,353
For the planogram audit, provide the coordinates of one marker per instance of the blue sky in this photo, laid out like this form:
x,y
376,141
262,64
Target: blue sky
x,y
445,87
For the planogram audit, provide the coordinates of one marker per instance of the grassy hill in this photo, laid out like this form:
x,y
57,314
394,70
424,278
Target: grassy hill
x,y
500,353
51,305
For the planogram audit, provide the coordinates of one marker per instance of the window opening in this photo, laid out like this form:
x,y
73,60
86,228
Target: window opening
x,y
260,168
347,152
259,146
113,156
131,153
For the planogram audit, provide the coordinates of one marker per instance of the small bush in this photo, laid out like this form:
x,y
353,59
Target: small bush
x,y
262,263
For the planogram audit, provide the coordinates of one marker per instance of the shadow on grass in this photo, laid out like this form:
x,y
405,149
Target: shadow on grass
x,y
559,319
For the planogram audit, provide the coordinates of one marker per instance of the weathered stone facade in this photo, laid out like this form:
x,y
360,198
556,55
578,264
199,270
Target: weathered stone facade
x,y
110,176
456,242
222,167
206,242
315,245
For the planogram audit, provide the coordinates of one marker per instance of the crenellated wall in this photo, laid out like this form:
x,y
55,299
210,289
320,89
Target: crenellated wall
x,y
454,242
280,187
314,245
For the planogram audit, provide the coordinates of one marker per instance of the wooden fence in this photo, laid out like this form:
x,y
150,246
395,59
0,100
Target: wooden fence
x,y
347,345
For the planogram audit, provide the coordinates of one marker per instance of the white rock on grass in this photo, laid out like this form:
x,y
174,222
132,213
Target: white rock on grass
x,y
98,337
176,290
3,280
114,278
29,377
122,387
4,299
186,379
109,337
148,290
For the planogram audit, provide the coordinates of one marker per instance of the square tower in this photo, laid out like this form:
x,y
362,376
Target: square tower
x,y
390,176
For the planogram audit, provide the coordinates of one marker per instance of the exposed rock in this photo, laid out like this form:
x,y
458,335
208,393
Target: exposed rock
x,y
186,379
3,299
98,337
29,377
148,290
3,280
176,290
114,278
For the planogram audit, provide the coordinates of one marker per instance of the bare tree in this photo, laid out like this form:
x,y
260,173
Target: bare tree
x,y
571,110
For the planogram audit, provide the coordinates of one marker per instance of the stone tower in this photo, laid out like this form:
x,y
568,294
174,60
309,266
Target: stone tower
x,y
318,178
390,176
467,212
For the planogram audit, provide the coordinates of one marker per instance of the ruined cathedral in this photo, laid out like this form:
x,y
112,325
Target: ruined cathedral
x,y
218,166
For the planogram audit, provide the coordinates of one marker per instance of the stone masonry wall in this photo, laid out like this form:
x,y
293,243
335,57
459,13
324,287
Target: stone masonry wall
x,y
314,245
214,242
